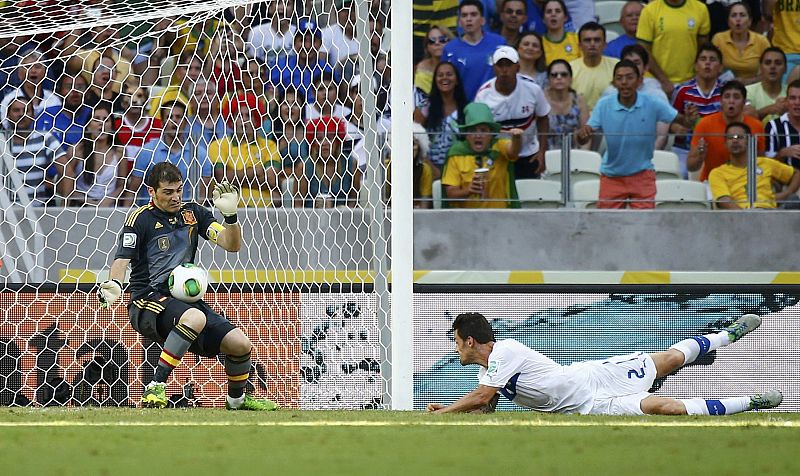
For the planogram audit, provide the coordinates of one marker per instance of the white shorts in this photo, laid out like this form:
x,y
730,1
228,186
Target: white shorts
x,y
621,383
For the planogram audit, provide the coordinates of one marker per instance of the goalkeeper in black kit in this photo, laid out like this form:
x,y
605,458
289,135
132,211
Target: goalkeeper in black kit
x,y
154,240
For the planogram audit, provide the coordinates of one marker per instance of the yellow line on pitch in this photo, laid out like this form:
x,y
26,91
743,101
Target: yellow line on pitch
x,y
715,422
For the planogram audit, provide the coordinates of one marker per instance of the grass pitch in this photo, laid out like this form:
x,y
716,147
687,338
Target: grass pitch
x,y
197,442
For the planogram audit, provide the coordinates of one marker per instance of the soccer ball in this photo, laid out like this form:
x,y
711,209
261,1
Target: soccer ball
x,y
188,282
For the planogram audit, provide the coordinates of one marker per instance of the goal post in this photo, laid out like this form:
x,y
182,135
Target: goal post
x,y
92,95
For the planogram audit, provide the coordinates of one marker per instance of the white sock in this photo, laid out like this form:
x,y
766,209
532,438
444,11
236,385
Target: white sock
x,y
724,406
694,347
235,402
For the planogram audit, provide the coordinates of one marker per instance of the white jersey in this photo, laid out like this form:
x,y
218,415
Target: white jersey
x,y
517,110
532,380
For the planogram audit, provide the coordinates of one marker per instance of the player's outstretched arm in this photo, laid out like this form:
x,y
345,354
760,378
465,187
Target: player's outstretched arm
x,y
109,291
476,400
226,200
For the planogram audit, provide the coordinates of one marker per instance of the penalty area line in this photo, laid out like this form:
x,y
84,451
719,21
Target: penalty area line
x,y
709,423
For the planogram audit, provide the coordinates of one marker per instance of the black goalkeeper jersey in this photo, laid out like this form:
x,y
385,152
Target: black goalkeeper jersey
x,y
156,242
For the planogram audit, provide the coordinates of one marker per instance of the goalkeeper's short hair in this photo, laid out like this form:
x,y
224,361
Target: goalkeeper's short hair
x,y
165,172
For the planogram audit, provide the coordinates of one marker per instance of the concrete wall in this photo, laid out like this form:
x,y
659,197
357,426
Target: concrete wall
x,y
564,240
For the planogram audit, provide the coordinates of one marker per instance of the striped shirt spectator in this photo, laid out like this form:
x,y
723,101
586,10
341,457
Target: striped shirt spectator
x,y
783,133
33,155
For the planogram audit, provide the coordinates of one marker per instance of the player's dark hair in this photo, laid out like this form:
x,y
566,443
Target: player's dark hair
x,y
742,125
473,324
474,3
772,49
165,172
638,50
592,26
734,84
626,64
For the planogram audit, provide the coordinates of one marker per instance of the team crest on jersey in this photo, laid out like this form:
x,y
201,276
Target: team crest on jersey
x,y
188,217
691,23
158,225
568,48
492,367
163,243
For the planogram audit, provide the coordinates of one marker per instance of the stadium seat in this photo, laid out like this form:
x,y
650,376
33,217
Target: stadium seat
x,y
583,164
607,13
535,193
611,35
683,194
437,194
666,165
585,193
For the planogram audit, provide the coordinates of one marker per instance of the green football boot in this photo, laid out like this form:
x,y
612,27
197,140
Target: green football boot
x,y
155,395
743,325
254,404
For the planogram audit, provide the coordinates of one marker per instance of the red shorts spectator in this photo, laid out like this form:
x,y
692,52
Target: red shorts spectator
x,y
637,190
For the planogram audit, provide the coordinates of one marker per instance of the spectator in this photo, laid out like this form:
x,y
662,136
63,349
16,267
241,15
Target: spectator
x,y
245,157
444,14
31,73
10,50
532,62
102,86
273,39
469,53
33,153
354,143
302,68
326,99
741,48
559,43
767,98
698,97
84,51
95,169
784,131
188,70
328,175
629,20
227,51
339,39
513,16
67,121
134,127
584,12
568,110
174,146
728,182
593,71
289,132
708,141
672,31
718,14
638,55
629,122
517,102
445,111
481,149
434,47
423,172
785,19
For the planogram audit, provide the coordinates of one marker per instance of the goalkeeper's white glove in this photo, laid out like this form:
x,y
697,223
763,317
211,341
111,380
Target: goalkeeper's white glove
x,y
226,199
108,292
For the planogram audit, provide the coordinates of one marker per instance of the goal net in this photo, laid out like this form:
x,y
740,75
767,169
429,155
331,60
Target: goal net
x,y
288,100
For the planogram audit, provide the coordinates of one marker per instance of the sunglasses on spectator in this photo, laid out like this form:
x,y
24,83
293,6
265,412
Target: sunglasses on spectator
x,y
438,39
509,11
559,74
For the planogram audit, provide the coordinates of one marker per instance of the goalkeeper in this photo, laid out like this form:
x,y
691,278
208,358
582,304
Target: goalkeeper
x,y
154,240
616,386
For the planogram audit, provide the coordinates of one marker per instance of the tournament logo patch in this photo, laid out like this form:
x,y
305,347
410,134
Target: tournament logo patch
x,y
163,243
492,367
188,217
129,240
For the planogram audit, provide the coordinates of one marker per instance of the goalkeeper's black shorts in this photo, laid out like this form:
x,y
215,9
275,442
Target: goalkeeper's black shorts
x,y
156,315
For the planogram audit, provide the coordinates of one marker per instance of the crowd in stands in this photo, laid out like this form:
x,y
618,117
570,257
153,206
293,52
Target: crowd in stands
x,y
269,97
696,66
266,97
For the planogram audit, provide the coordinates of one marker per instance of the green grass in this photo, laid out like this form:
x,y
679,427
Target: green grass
x,y
202,441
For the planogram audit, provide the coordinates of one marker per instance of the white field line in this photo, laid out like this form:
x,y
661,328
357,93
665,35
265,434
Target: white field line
x,y
705,422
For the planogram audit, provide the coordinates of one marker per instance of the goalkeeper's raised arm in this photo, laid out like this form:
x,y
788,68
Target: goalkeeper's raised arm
x,y
226,200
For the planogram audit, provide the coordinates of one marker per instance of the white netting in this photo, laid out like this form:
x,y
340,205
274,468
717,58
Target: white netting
x,y
287,100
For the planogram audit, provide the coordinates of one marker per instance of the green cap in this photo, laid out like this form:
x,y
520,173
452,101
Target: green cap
x,y
478,113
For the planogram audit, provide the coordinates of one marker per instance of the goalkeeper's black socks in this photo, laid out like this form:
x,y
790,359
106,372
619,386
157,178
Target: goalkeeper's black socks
x,y
237,368
178,342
